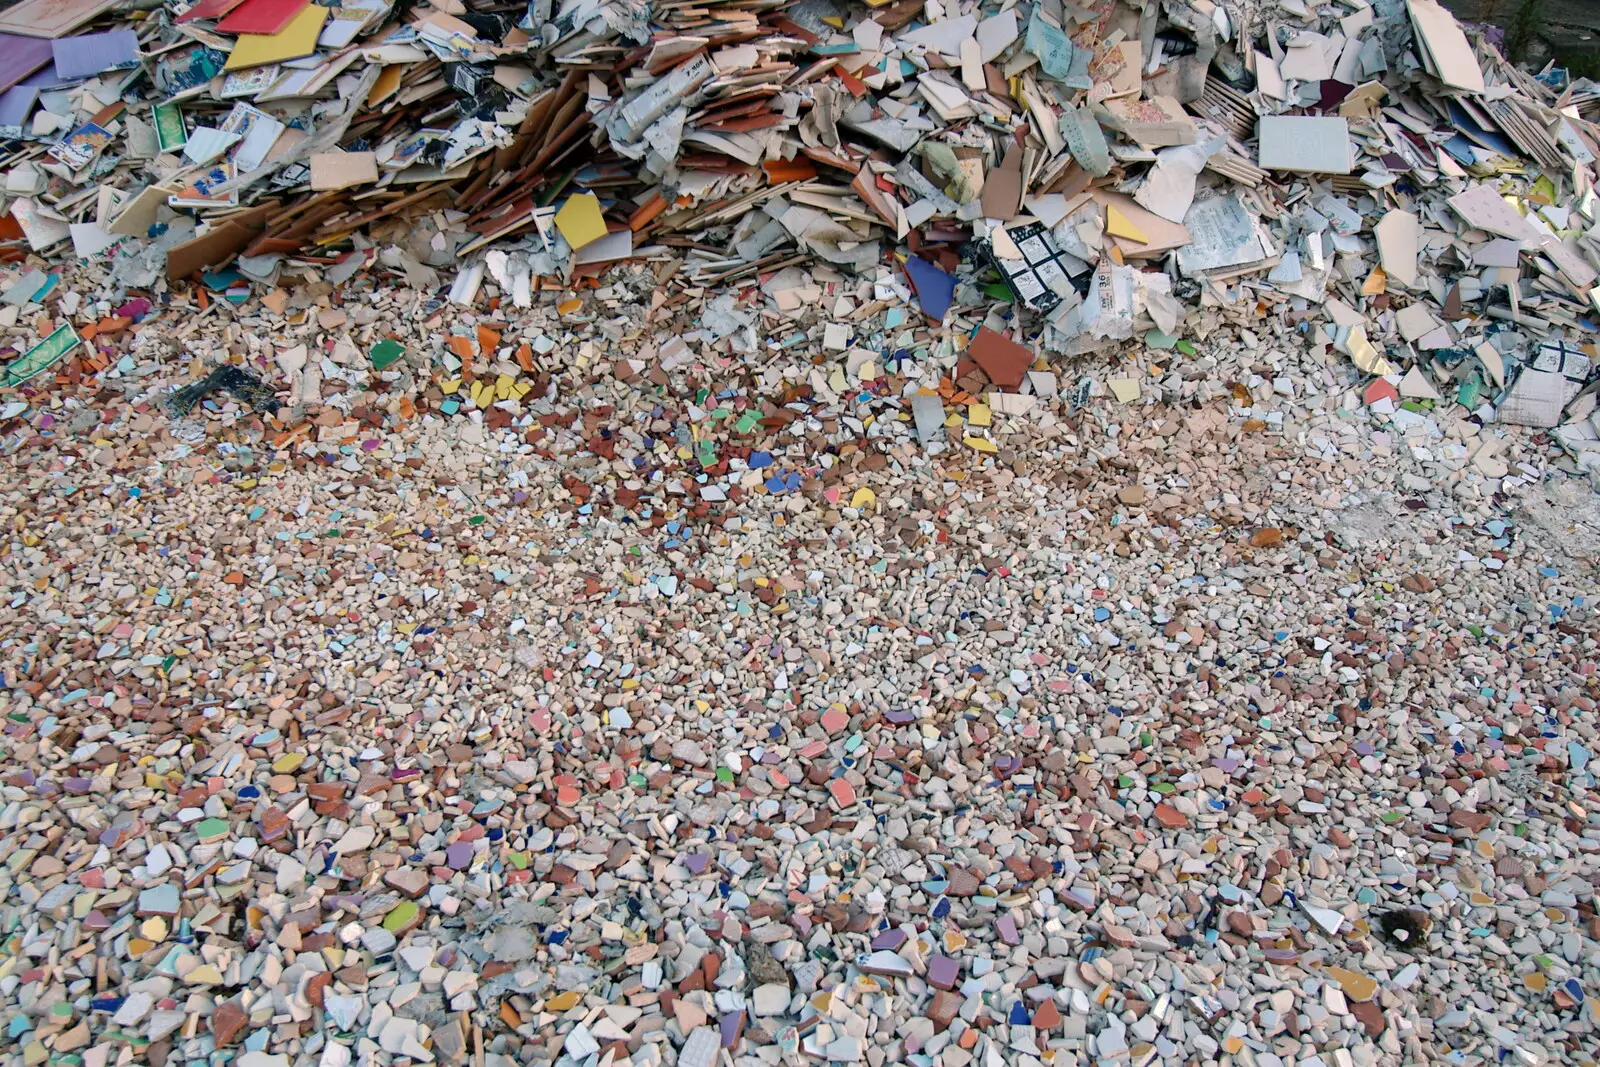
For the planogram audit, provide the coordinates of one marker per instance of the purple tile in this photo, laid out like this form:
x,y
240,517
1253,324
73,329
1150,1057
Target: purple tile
x,y
20,56
731,1028
459,855
1007,926
889,939
89,54
943,972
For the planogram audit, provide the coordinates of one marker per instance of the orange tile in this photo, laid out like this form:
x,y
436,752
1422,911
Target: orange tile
x,y
789,170
646,212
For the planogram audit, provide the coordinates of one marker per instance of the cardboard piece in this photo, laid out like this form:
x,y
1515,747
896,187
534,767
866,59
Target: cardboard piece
x,y
1304,144
296,41
341,170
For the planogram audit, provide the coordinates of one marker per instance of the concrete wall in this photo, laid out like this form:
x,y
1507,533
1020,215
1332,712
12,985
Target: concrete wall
x,y
1568,26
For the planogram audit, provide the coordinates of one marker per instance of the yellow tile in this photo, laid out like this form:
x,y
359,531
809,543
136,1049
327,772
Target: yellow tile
x,y
1118,225
563,1002
580,221
294,41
